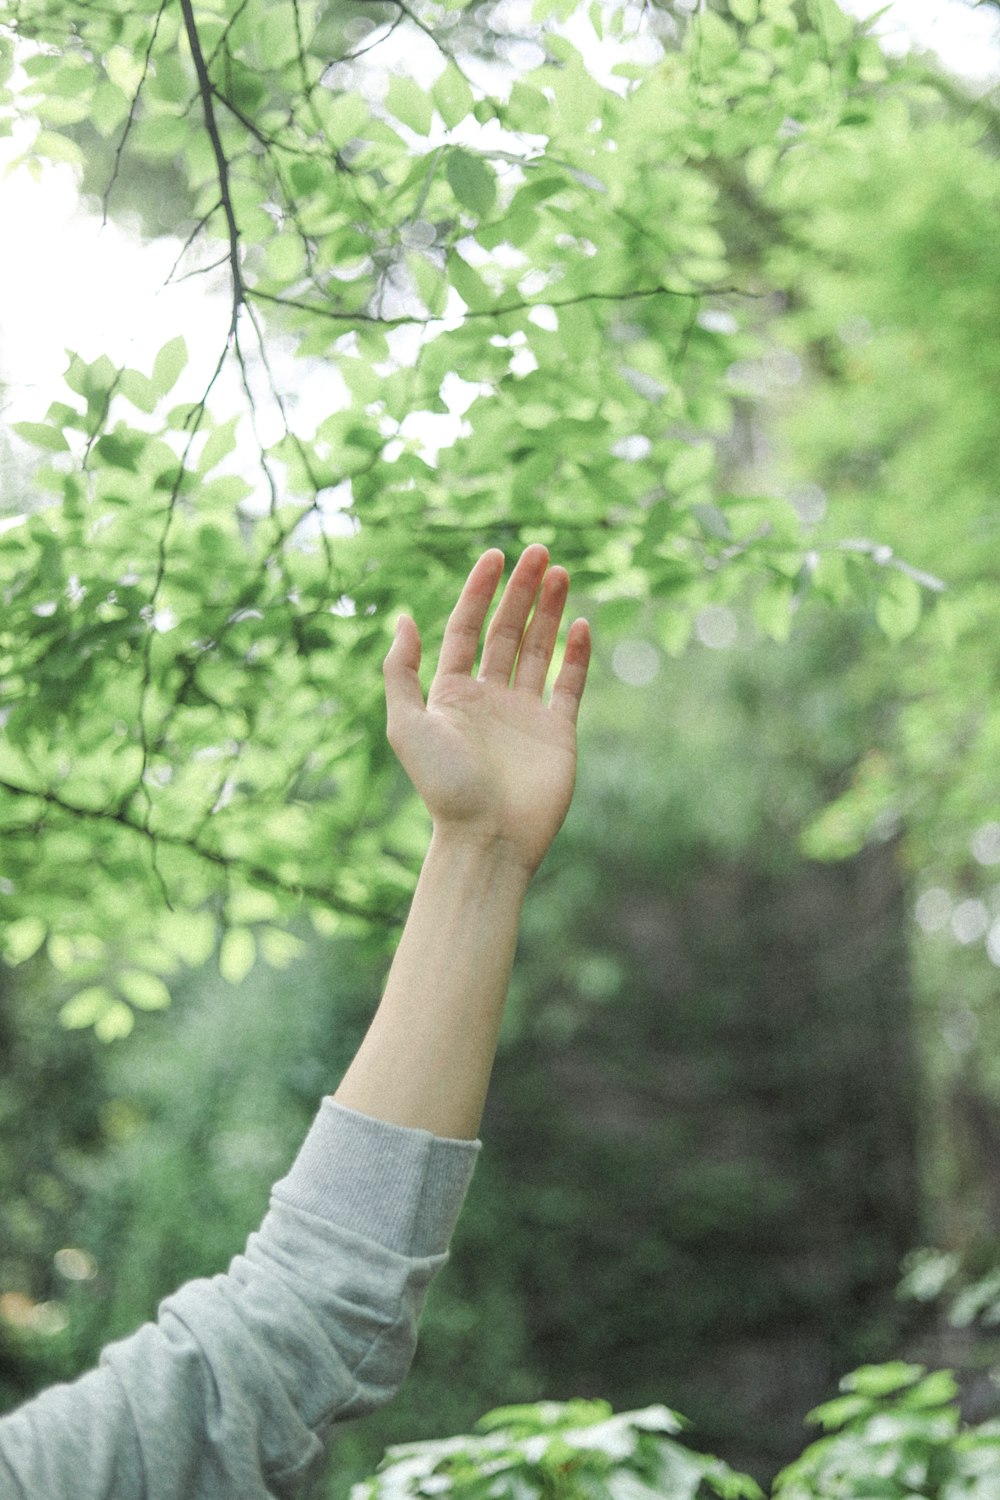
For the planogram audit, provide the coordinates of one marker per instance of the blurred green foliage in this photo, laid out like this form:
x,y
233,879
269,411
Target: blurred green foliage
x,y
670,1202
218,600
895,1433
739,372
557,1451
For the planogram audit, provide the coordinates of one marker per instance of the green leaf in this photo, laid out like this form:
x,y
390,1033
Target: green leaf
x,y
472,181
526,109
161,135
898,606
251,904
61,415
713,522
840,1411
773,608
715,39
237,954
168,365
306,176
22,938
119,451
411,104
882,1380
173,80
278,39
469,285
91,380
138,389
146,991
871,65
974,1301
61,111
115,1023
541,10
219,444
86,1007
189,934
430,282
225,489
124,69
744,11
691,466
73,78
939,1388
57,148
41,435
344,116
285,257
835,26
673,630
279,948
452,96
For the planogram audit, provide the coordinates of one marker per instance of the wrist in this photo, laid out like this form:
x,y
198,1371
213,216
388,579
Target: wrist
x,y
479,853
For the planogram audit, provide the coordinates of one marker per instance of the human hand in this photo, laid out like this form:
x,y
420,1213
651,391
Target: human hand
x,y
494,765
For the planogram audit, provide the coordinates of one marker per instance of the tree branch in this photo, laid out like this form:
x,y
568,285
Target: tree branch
x,y
131,115
497,312
222,164
258,873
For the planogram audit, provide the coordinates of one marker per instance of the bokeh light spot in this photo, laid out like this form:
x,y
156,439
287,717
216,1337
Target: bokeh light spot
x,y
635,662
986,844
970,920
716,627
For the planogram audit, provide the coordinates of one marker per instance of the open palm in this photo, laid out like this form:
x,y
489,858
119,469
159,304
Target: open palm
x,y
492,761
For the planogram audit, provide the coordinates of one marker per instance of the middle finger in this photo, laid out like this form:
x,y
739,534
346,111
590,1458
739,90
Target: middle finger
x,y
503,638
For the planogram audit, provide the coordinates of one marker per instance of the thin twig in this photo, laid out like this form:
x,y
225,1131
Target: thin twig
x,y
221,161
131,116
507,307
259,873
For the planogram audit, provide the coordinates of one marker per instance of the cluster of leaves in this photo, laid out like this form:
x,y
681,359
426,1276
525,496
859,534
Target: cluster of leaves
x,y
893,426
930,1275
548,1450
194,608
895,1433
894,420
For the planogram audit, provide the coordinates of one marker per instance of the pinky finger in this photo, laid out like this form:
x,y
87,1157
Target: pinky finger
x,y
568,687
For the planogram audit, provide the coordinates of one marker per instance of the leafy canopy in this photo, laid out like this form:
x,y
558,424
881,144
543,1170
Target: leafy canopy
x,y
196,600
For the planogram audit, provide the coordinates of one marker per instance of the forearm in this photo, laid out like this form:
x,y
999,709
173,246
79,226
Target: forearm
x,y
427,1057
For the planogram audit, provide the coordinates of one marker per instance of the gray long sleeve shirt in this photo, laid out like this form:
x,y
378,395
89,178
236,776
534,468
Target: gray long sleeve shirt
x,y
232,1393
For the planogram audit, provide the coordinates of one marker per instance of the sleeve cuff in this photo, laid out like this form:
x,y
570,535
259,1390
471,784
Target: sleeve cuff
x,y
402,1188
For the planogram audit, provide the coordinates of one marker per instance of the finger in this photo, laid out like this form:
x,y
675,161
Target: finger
x,y
465,623
569,685
403,695
503,639
535,655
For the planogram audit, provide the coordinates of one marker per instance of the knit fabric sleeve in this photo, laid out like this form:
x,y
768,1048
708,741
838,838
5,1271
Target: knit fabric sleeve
x,y
233,1392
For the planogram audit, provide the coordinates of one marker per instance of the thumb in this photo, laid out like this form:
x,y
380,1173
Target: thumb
x,y
403,694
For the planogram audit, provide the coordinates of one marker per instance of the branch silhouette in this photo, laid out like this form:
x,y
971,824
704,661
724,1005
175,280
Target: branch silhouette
x,y
221,160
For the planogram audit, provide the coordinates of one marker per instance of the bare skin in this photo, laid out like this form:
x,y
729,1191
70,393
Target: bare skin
x,y
495,765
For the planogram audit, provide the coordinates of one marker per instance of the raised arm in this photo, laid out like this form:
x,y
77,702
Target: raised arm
x,y
233,1392
495,765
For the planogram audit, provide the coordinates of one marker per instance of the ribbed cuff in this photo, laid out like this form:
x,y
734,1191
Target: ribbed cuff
x,y
400,1187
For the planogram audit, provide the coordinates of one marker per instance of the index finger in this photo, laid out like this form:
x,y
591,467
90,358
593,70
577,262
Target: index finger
x,y
465,623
